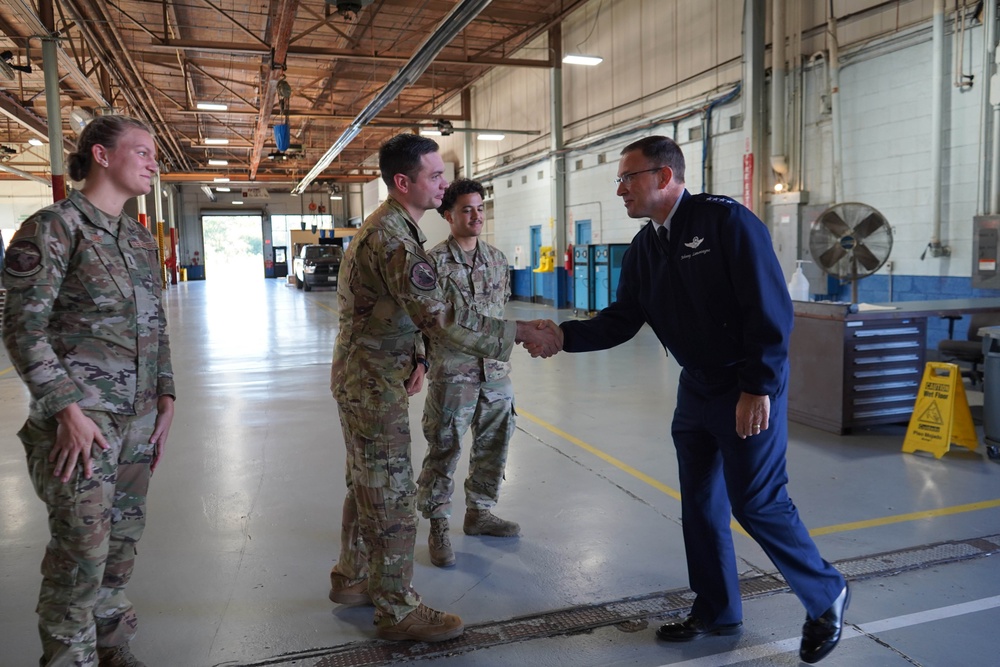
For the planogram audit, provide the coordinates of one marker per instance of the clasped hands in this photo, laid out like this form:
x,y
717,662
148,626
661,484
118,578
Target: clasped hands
x,y
542,338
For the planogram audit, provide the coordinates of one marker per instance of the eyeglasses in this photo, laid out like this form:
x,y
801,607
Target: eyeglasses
x,y
627,178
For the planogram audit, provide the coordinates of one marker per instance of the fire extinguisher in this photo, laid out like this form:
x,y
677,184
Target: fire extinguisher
x,y
569,259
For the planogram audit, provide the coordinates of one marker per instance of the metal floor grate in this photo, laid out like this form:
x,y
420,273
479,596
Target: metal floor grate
x,y
584,618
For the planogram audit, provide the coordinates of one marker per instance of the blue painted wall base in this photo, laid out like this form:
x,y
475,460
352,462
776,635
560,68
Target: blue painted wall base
x,y
556,287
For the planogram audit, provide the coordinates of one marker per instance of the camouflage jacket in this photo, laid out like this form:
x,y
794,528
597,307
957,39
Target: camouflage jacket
x,y
83,322
483,286
388,292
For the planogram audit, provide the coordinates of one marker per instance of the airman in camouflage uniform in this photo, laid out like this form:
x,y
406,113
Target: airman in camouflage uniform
x,y
84,327
388,294
465,390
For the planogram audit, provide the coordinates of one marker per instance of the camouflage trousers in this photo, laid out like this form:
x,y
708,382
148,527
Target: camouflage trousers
x,y
94,525
379,524
451,408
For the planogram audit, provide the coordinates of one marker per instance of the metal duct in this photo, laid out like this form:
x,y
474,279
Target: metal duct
x,y
24,174
937,124
447,30
779,161
833,47
992,93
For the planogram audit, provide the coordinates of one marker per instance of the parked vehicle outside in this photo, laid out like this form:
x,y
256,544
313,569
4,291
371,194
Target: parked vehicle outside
x,y
317,266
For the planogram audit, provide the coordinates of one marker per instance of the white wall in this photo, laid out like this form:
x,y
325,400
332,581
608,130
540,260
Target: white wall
x,y
664,58
18,200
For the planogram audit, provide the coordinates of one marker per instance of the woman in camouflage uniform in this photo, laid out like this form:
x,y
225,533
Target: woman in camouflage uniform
x,y
84,327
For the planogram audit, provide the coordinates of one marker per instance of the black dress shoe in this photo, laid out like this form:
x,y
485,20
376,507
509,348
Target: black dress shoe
x,y
820,636
692,628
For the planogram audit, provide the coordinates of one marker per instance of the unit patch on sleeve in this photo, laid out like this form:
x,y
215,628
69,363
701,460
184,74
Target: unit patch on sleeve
x,y
23,259
422,276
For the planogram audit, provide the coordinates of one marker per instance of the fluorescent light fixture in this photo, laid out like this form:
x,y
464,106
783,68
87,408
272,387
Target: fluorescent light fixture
x,y
237,202
220,179
212,106
223,189
216,142
428,132
336,197
218,163
577,59
35,142
490,137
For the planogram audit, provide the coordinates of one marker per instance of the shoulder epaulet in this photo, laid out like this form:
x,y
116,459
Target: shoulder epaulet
x,y
721,200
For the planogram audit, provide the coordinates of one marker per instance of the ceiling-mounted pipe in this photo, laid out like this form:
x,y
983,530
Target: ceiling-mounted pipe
x,y
833,48
937,125
455,22
23,174
779,161
993,95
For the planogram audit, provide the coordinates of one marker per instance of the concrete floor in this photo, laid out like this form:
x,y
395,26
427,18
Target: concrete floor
x,y
244,516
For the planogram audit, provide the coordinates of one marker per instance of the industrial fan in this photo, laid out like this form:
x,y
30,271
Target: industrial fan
x,y
850,241
7,68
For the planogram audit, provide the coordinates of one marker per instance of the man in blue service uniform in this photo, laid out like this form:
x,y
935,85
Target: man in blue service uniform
x,y
704,276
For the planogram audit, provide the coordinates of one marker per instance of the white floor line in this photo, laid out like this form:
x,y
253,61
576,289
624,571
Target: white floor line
x,y
787,645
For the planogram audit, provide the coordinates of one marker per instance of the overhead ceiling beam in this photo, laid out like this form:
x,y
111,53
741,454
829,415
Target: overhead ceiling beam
x,y
25,12
27,118
383,119
286,10
236,179
495,13
339,54
24,174
460,16
239,24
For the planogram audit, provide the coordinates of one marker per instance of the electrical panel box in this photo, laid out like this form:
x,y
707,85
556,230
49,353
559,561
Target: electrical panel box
x,y
985,248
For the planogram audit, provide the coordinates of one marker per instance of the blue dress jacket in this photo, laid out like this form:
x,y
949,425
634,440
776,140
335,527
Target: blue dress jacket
x,y
716,297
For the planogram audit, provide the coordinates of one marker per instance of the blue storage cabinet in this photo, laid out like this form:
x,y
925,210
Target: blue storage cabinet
x,y
583,292
616,252
602,276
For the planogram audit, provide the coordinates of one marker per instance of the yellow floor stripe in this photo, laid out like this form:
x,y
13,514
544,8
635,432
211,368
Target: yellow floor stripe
x,y
323,305
839,528
6,370
621,465
912,516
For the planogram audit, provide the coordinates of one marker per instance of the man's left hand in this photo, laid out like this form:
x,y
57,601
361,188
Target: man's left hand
x,y
752,412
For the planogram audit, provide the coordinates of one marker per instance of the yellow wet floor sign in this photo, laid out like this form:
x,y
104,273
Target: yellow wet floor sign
x,y
941,416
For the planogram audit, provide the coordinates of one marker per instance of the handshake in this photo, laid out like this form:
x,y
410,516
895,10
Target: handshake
x,y
542,338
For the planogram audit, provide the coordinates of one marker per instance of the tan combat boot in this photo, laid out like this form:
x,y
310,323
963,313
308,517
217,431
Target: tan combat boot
x,y
484,522
423,624
439,543
344,593
117,656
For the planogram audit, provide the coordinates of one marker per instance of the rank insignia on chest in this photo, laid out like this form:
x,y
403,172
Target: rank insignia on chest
x,y
422,276
140,243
